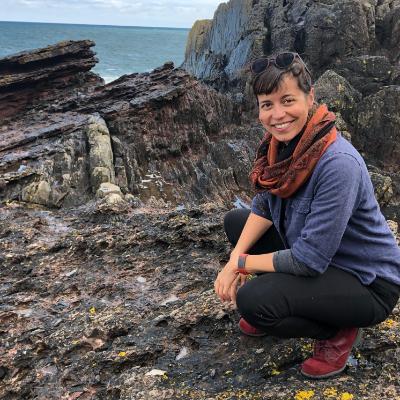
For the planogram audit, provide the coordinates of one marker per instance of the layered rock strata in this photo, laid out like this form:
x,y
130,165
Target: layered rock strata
x,y
161,135
35,79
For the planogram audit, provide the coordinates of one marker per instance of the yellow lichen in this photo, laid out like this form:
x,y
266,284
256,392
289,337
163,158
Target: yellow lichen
x,y
346,396
228,372
275,372
389,323
304,395
330,393
92,310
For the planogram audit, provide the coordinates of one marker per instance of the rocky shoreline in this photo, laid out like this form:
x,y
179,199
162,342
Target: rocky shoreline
x,y
113,196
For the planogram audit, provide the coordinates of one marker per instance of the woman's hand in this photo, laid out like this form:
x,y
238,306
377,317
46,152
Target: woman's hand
x,y
227,282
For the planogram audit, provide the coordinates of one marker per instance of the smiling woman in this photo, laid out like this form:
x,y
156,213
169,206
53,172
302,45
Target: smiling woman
x,y
325,260
284,113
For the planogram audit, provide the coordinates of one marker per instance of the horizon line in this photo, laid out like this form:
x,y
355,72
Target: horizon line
x,y
103,25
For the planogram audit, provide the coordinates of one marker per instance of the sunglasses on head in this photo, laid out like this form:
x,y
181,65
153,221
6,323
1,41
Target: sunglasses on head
x,y
281,61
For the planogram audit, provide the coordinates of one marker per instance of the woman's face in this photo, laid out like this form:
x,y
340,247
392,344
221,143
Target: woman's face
x,y
284,112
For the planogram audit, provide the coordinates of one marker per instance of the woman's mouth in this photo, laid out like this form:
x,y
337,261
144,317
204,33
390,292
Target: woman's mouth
x,y
283,126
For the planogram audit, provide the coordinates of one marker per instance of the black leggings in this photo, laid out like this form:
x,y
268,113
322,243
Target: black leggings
x,y
286,305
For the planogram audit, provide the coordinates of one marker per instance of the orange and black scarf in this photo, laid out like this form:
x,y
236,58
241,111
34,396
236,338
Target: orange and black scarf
x,y
283,178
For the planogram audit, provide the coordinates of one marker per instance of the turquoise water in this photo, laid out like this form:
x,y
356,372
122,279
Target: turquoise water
x,y
120,50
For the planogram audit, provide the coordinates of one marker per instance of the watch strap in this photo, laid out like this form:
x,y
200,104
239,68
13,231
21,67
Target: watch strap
x,y
241,267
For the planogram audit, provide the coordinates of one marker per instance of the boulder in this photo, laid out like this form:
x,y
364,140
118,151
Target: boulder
x,y
383,188
37,192
107,189
368,73
100,152
377,132
338,94
45,161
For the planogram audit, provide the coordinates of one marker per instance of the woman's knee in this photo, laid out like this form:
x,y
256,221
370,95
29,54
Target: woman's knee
x,y
259,298
234,222
245,301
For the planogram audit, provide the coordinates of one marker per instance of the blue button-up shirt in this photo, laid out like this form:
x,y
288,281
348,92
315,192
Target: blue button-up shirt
x,y
334,219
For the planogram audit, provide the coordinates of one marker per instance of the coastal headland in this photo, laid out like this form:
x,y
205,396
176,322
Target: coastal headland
x,y
113,196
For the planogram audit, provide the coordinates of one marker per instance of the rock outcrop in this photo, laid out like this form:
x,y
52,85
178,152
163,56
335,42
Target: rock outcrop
x,y
37,79
325,33
161,135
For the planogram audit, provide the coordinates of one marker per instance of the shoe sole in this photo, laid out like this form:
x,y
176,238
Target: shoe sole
x,y
356,343
252,334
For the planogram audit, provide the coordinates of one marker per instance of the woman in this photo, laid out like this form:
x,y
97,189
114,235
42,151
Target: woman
x,y
325,260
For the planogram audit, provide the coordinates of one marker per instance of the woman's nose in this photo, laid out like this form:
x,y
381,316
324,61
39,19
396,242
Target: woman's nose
x,y
278,112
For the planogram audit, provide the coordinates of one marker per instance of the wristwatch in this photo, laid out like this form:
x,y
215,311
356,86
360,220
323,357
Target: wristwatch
x,y
241,267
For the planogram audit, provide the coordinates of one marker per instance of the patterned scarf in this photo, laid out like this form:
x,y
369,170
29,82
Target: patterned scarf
x,y
283,178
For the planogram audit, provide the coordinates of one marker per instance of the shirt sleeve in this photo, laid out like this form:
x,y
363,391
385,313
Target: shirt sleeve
x,y
285,262
336,196
260,207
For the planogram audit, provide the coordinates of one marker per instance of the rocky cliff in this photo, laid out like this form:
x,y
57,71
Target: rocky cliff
x,y
328,34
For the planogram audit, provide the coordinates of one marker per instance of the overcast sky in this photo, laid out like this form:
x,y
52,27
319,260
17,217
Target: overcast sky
x,y
169,13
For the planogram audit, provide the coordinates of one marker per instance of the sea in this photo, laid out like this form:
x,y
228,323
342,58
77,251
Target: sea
x,y
120,49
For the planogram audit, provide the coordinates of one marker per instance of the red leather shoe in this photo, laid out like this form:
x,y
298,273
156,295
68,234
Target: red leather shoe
x,y
330,356
249,330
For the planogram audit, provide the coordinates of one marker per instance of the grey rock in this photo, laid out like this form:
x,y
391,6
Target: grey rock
x,y
108,188
338,94
39,78
100,152
368,73
324,33
378,128
383,188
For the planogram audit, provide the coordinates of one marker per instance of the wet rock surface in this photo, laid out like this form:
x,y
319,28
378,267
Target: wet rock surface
x,y
120,305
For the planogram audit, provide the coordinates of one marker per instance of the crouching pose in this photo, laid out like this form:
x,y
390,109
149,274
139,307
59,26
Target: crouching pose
x,y
324,259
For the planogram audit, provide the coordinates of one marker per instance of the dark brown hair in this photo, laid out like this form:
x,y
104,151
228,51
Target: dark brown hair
x,y
269,80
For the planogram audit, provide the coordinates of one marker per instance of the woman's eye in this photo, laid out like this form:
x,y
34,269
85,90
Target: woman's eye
x,y
288,101
266,105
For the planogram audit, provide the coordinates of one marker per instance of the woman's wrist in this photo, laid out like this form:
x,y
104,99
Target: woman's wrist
x,y
233,258
260,263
